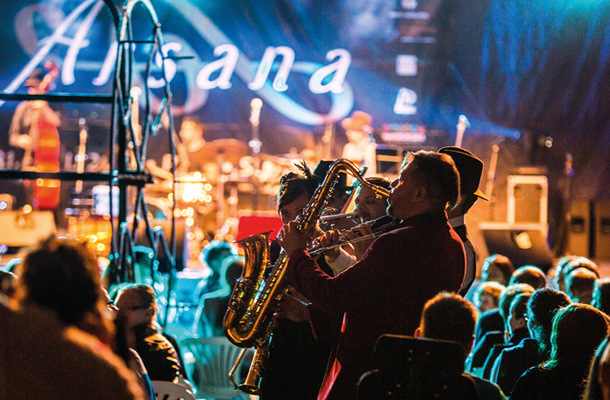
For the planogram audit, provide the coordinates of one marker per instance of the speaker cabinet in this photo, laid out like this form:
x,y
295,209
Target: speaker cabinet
x,y
19,229
527,200
602,230
579,230
522,244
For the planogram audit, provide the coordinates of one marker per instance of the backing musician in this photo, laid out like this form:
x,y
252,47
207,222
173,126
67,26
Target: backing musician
x,y
188,148
23,132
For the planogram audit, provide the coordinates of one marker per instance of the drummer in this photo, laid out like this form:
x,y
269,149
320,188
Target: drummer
x,y
188,151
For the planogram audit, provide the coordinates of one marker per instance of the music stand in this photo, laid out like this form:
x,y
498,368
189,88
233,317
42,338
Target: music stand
x,y
417,369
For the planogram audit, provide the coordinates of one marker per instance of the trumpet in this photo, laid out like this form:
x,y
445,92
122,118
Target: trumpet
x,y
379,226
326,218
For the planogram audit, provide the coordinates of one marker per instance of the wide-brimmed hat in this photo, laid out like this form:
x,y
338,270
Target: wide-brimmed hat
x,y
359,121
470,168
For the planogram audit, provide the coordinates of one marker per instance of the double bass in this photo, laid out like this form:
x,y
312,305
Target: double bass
x,y
45,147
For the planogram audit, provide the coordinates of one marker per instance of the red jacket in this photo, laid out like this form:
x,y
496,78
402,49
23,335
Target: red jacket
x,y
384,292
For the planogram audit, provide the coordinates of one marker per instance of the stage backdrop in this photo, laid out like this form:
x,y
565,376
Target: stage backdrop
x,y
529,75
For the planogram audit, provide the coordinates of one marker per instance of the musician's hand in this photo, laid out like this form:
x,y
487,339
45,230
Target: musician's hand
x,y
356,235
291,239
326,240
293,309
23,141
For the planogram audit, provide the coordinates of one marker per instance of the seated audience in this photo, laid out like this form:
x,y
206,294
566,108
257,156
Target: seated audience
x,y
596,388
8,281
212,306
487,296
558,279
450,317
43,352
531,351
492,343
530,275
578,330
137,304
213,255
497,268
579,285
581,262
601,295
121,346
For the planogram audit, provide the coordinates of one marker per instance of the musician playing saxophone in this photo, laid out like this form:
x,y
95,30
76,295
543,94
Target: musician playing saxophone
x,y
297,360
387,289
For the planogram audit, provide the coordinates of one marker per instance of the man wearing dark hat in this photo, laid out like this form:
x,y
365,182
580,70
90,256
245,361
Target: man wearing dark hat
x,y
26,114
470,168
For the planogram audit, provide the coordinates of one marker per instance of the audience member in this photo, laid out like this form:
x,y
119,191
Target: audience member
x,y
579,285
578,330
535,349
558,279
487,296
213,255
530,275
449,317
601,295
121,346
581,262
43,352
486,351
597,384
212,306
497,268
8,281
137,304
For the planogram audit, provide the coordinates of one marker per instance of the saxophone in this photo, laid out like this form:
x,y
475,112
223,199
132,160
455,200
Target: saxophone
x,y
248,321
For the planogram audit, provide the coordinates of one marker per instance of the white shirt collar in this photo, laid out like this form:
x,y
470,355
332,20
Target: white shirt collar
x,y
457,221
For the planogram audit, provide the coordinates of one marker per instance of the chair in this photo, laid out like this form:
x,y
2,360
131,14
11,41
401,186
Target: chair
x,y
171,391
207,362
417,369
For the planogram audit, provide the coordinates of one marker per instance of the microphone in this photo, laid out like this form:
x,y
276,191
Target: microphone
x,y
255,105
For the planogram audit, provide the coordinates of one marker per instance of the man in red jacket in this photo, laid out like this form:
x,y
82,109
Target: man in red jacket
x,y
387,289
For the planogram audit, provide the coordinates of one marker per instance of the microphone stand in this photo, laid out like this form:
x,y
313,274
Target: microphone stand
x,y
255,144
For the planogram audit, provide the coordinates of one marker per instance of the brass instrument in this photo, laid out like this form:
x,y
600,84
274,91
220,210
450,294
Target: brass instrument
x,y
248,321
379,226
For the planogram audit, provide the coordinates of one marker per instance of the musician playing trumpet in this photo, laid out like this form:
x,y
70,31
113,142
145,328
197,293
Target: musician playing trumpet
x,y
369,207
387,289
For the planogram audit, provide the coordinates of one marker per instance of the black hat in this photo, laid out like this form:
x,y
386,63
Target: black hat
x,y
35,78
470,168
321,170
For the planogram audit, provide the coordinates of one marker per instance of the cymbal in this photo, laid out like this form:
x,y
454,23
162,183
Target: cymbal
x,y
227,149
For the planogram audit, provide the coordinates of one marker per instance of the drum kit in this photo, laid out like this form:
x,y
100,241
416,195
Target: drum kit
x,y
223,183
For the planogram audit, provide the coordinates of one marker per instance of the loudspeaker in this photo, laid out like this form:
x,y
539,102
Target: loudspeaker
x,y
579,230
601,211
527,201
522,245
19,229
